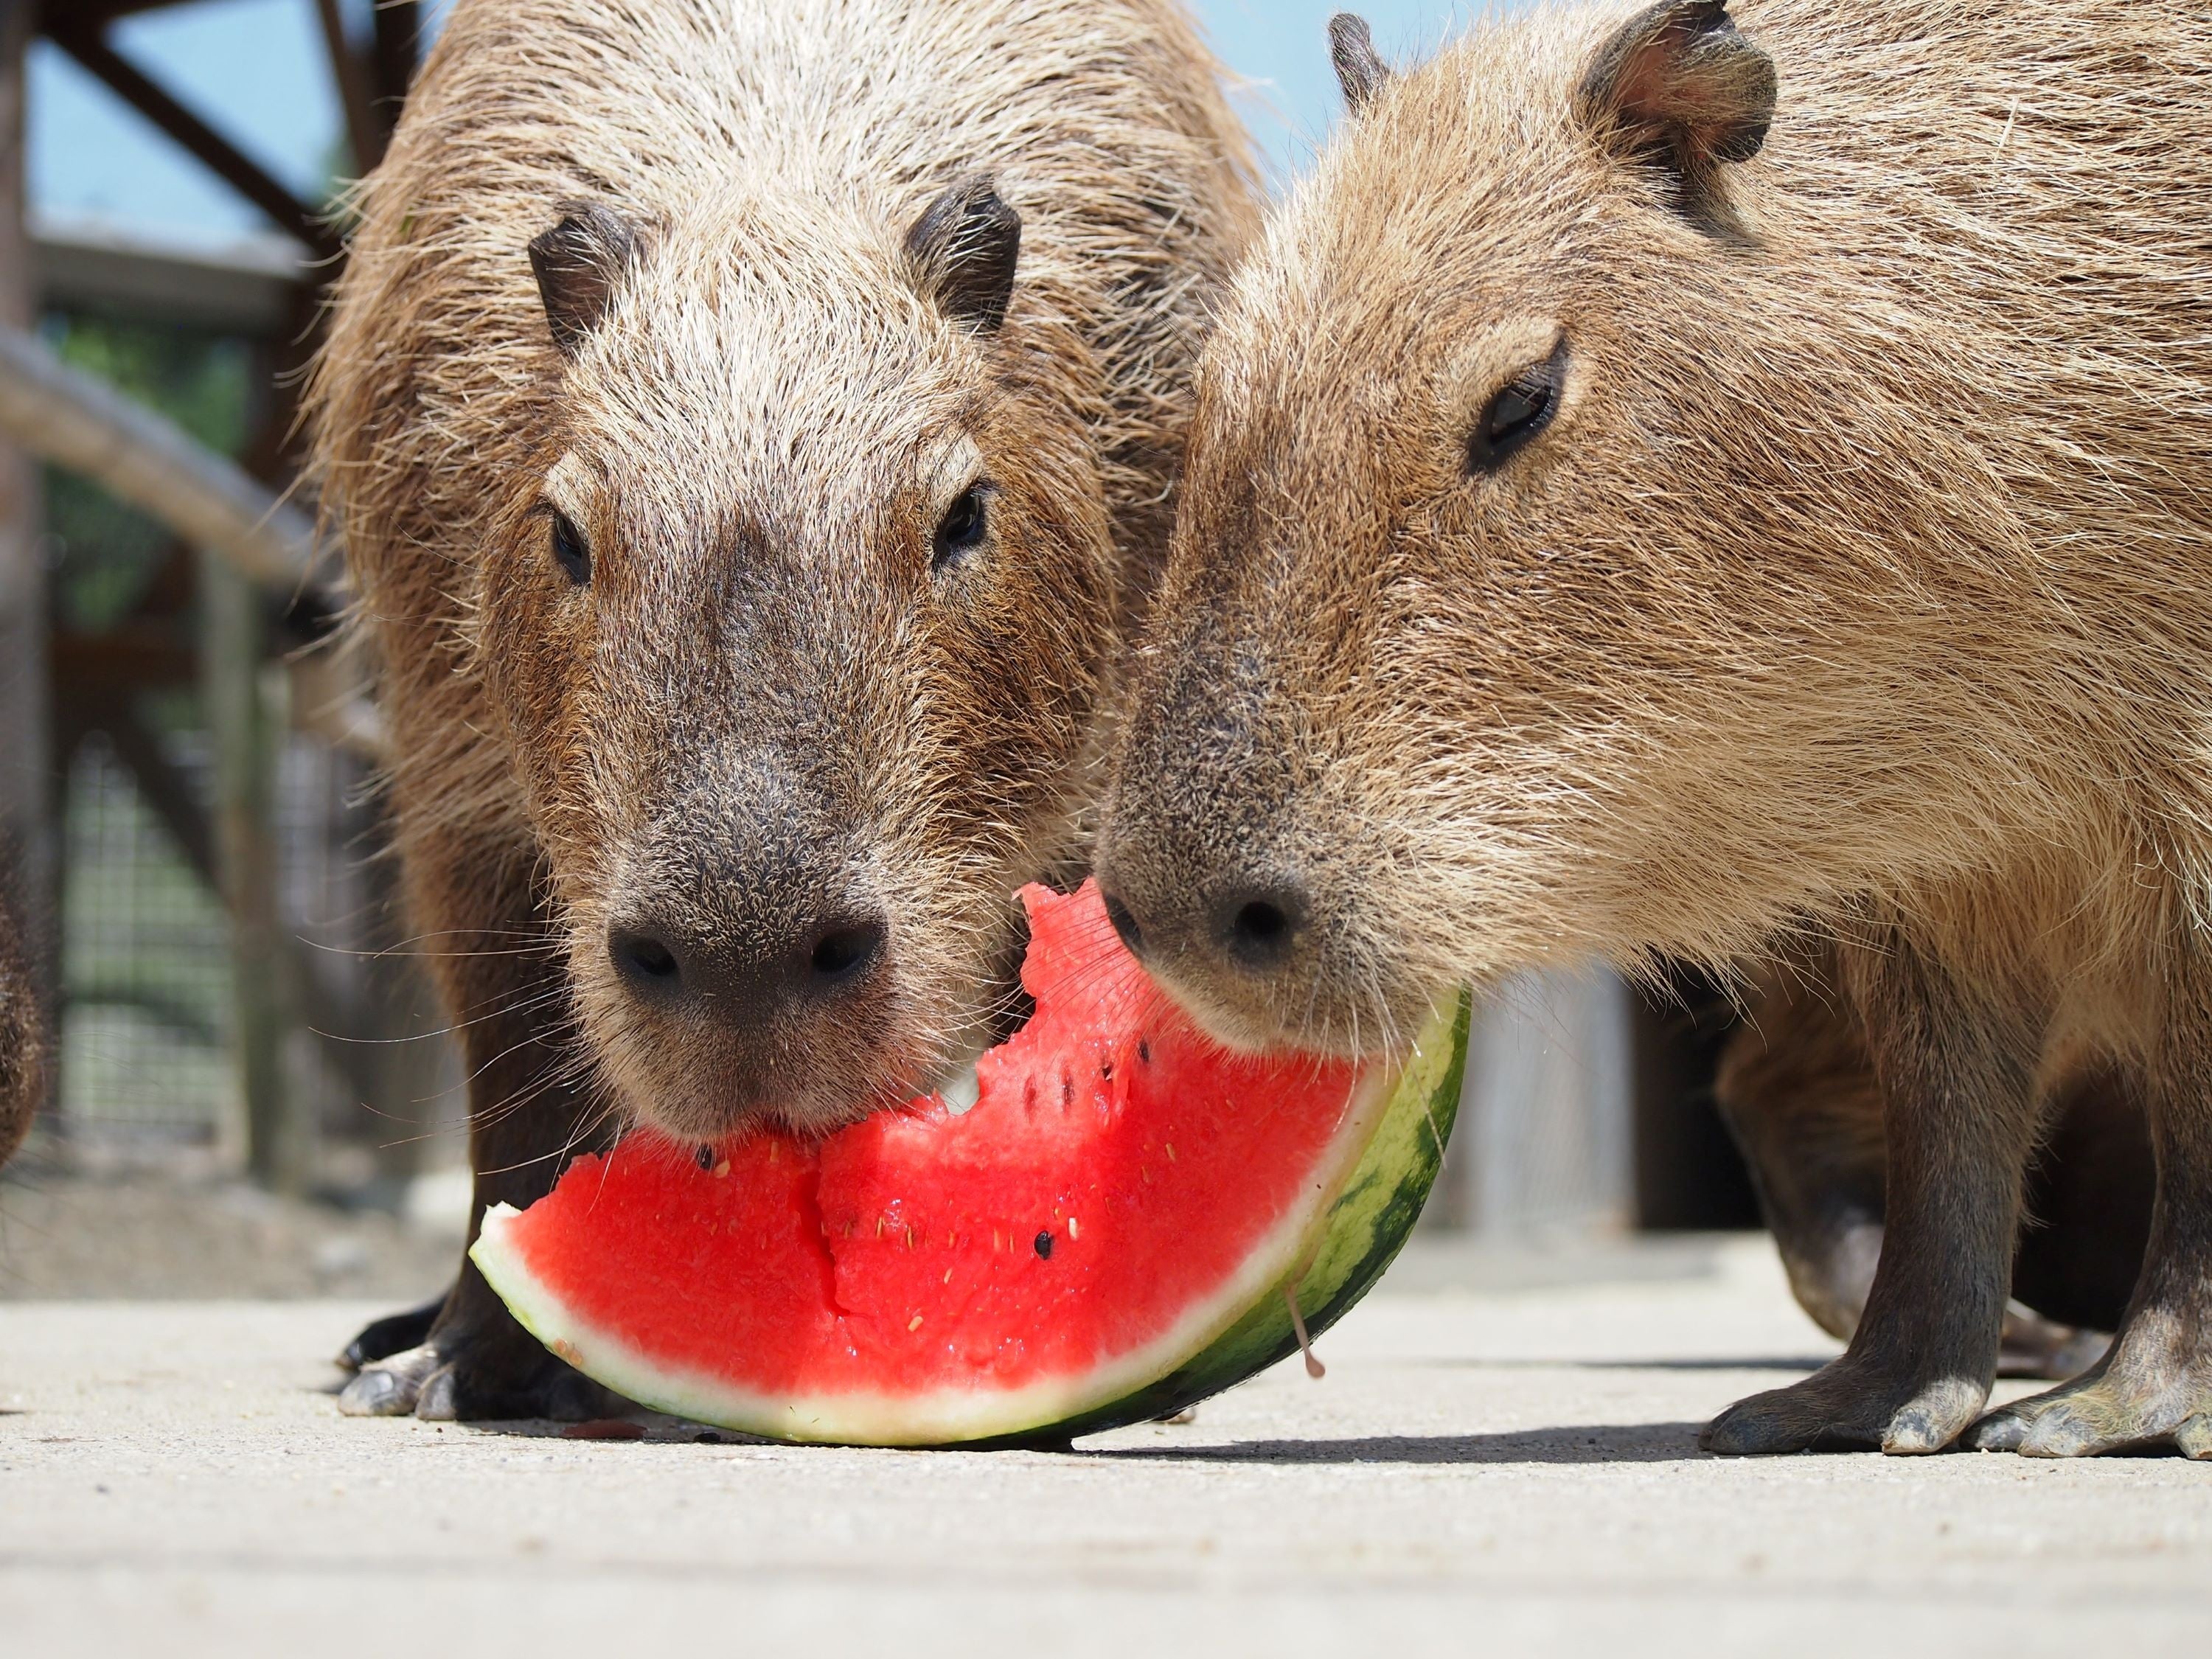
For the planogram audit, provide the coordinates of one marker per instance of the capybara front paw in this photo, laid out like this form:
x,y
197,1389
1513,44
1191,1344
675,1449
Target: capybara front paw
x,y
390,1387
393,1334
1847,1407
2116,1406
447,1380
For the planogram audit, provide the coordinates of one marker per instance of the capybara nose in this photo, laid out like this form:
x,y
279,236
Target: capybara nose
x,y
845,951
1125,920
1257,927
1252,926
745,981
646,962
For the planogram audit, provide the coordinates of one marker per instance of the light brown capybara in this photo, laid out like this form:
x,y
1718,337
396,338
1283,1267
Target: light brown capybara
x,y
1673,481
22,1024
753,428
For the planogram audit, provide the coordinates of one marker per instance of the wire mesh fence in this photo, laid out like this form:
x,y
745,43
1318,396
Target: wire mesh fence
x,y
146,1002
145,970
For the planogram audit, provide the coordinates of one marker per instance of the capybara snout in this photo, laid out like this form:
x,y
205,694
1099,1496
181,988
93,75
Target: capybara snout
x,y
1224,870
750,966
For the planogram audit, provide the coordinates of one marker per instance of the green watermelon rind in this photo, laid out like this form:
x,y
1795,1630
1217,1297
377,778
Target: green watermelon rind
x,y
1343,1246
1352,1243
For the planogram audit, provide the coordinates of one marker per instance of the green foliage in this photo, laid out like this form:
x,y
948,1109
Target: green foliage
x,y
110,555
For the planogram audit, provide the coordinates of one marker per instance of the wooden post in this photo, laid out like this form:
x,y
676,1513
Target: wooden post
x,y
1547,1115
27,791
279,1150
399,1010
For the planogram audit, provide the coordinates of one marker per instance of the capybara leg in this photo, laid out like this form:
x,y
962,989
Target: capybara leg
x,y
1797,1091
476,1365
504,978
1797,1088
382,1338
2154,1383
1955,1073
2034,1346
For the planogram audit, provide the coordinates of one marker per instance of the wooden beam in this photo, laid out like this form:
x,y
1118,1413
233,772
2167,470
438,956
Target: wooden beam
x,y
209,148
396,55
75,421
366,127
248,288
135,655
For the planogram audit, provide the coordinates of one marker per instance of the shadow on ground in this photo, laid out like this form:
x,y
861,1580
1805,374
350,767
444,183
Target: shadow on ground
x,y
1596,1442
1601,1442
1805,1366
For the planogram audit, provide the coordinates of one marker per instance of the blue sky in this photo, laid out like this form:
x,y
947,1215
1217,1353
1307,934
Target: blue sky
x,y
256,68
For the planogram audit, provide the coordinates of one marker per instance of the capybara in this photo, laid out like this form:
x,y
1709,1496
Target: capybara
x,y
753,425
1675,484
1797,1088
22,1023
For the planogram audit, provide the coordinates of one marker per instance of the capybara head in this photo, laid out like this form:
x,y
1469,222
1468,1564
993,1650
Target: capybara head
x,y
1539,551
797,625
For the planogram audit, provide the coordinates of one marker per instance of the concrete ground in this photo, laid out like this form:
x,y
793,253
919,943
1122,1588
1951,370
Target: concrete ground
x,y
1492,1464
178,1233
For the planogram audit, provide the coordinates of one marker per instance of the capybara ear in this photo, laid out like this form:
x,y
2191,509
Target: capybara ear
x,y
1678,84
1360,69
963,250
580,264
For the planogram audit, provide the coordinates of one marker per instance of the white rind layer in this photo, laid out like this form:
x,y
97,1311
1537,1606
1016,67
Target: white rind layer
x,y
944,1416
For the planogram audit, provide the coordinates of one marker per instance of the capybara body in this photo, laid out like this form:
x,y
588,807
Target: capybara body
x,y
753,426
1673,483
23,1026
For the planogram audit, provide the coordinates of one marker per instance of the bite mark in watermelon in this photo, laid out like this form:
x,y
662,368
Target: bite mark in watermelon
x,y
1128,1219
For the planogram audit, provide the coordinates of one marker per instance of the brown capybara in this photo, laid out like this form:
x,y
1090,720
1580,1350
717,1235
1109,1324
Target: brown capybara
x,y
1670,483
753,426
1797,1089
22,1024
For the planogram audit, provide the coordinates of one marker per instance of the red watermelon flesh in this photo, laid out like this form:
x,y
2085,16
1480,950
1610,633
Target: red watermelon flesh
x,y
1122,1189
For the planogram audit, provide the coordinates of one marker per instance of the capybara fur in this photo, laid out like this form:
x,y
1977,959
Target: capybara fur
x,y
1797,1089
22,1024
1671,483
754,427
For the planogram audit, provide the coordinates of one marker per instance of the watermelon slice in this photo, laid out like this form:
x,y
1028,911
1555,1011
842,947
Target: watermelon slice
x,y
1128,1219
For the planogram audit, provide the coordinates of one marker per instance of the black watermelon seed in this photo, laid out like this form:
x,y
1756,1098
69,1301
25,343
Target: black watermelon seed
x,y
706,1158
1045,1245
1144,1051
1106,1071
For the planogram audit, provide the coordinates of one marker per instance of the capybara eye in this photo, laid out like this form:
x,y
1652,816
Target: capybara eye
x,y
570,550
1520,409
962,530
